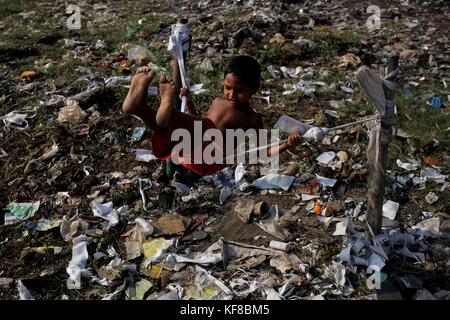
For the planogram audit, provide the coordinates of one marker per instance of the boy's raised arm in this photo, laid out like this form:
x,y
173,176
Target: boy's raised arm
x,y
294,139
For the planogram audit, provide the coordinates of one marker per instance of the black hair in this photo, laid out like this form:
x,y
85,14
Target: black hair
x,y
247,69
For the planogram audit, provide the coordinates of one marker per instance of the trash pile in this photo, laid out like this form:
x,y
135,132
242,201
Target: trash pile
x,y
85,214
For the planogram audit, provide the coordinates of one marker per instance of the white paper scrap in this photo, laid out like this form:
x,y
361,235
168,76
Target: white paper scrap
x,y
144,155
390,209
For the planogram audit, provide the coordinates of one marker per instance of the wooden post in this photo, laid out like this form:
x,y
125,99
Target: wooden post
x,y
377,181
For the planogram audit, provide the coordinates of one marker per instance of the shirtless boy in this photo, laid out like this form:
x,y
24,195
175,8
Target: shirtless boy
x,y
242,78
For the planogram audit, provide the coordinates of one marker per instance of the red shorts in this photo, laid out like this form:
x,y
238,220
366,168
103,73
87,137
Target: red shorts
x,y
163,145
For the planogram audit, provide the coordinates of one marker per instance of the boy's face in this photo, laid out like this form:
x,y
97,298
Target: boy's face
x,y
237,93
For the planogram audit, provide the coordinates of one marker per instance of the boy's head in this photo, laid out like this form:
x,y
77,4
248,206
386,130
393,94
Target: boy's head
x,y
242,78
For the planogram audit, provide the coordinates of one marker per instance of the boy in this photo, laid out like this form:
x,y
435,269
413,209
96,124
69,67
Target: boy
x,y
242,77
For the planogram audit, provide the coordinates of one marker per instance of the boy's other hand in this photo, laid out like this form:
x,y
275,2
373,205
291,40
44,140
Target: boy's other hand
x,y
294,139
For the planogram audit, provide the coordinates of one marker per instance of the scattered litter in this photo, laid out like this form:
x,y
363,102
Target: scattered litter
x,y
140,54
429,227
326,182
49,153
326,157
291,72
142,287
71,113
144,155
390,209
15,120
271,225
24,294
106,212
409,166
433,174
283,246
341,228
225,193
78,263
43,224
20,211
274,181
138,133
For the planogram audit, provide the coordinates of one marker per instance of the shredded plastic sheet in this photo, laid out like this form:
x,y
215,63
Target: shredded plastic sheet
x,y
291,72
433,174
205,259
390,209
392,242
78,263
372,85
20,211
274,181
308,132
209,287
176,293
326,182
239,172
24,294
429,227
271,225
326,157
144,155
43,224
15,120
71,112
408,166
106,212
225,193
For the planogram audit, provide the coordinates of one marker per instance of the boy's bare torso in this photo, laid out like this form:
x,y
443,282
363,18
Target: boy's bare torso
x,y
225,116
